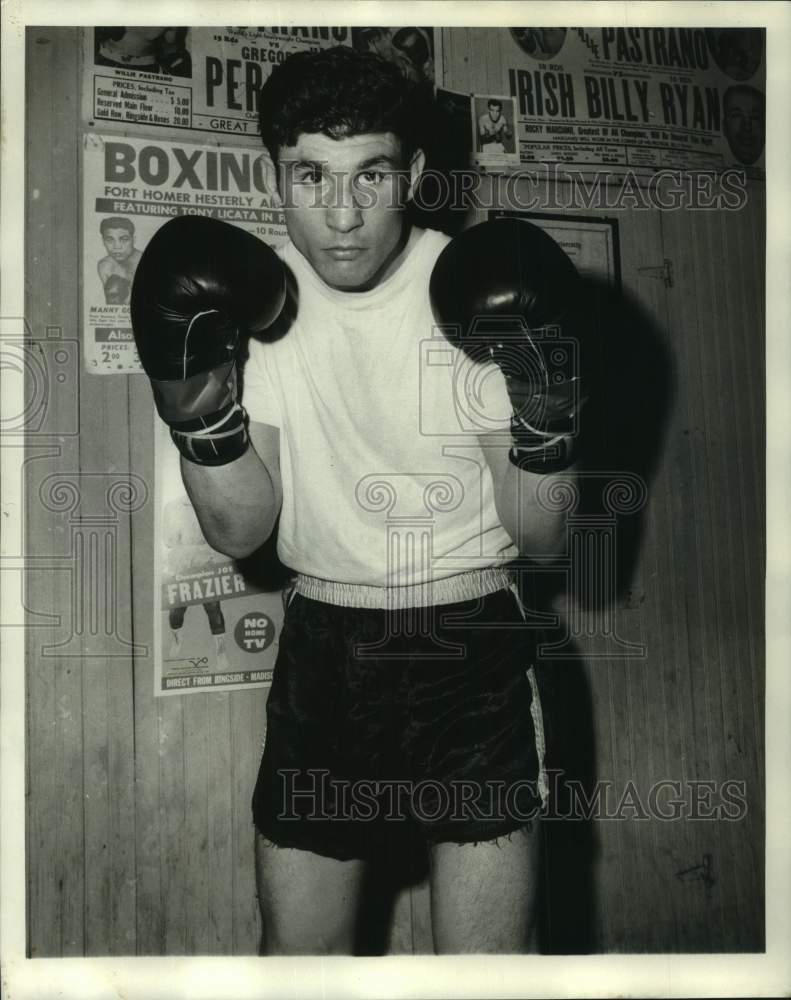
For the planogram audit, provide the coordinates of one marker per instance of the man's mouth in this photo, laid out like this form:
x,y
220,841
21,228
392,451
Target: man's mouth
x,y
344,253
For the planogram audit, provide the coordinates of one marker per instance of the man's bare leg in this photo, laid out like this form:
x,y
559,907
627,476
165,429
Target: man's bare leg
x,y
483,895
308,902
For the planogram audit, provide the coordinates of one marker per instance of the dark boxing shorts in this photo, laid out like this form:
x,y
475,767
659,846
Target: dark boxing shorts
x,y
379,719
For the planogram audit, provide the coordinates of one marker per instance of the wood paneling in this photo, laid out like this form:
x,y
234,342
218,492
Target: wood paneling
x,y
56,763
139,833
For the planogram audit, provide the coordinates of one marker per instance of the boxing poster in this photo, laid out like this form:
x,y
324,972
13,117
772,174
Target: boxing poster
x,y
214,628
170,78
207,79
638,100
130,187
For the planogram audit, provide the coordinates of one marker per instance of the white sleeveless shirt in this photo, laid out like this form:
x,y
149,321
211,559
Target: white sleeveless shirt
x,y
387,496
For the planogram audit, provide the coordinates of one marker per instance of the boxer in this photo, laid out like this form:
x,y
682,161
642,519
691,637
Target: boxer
x,y
493,128
403,694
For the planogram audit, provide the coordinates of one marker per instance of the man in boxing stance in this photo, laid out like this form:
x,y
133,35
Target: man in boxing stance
x,y
401,692
493,129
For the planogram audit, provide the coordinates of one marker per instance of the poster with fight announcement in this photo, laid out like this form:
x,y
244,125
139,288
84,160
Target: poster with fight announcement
x,y
132,186
169,78
638,100
207,79
215,628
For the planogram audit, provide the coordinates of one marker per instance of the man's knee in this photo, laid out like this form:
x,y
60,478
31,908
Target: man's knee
x,y
308,902
483,893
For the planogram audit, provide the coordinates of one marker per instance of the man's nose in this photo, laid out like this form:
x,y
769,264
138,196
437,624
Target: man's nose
x,y
343,211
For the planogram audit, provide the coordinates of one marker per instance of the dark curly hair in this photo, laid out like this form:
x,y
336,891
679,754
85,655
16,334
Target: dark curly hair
x,y
339,92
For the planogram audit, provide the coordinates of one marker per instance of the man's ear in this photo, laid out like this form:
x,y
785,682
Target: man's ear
x,y
416,167
270,179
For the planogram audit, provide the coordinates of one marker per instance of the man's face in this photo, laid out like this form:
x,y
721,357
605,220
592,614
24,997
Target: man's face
x,y
140,41
494,112
744,127
344,201
118,243
554,39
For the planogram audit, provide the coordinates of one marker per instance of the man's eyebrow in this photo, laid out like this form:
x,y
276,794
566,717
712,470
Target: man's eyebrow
x,y
310,164
383,159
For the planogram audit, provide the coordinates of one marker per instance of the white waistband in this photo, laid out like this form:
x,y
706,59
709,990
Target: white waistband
x,y
449,590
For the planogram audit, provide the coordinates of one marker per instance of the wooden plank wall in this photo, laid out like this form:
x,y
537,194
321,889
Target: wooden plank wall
x,y
138,826
691,709
139,829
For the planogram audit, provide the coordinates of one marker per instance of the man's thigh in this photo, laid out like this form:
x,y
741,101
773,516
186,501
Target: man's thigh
x,y
483,894
308,902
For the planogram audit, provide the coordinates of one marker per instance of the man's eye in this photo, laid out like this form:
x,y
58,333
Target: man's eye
x,y
372,176
309,177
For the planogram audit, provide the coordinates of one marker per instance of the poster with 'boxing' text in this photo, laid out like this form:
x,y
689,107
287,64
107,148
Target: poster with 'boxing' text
x,y
131,187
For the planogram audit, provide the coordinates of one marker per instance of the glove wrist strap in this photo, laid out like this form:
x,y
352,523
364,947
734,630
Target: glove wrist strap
x,y
543,455
216,439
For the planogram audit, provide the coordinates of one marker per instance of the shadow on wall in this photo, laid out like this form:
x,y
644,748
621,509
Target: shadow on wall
x,y
631,379
447,148
625,422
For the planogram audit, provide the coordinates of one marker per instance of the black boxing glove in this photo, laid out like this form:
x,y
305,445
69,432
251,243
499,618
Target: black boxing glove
x,y
493,288
198,285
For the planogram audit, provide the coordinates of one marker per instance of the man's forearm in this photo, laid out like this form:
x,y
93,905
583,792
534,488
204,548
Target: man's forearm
x,y
538,531
237,504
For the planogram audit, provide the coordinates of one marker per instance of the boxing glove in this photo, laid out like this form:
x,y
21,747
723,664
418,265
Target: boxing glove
x,y
494,290
201,283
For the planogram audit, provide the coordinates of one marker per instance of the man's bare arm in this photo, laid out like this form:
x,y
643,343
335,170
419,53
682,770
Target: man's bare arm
x,y
238,503
537,532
